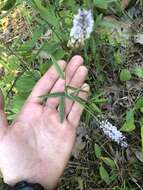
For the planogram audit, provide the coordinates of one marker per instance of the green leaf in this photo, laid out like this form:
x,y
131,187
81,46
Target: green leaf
x,y
118,57
57,67
139,103
75,99
69,96
27,81
62,108
95,108
108,161
50,47
68,87
130,116
138,71
97,150
129,125
70,4
104,174
60,95
59,54
7,4
125,75
103,4
47,13
142,137
80,101
113,177
52,95
18,101
13,63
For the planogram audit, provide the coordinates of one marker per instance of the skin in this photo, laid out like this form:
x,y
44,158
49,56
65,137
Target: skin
x,y
36,146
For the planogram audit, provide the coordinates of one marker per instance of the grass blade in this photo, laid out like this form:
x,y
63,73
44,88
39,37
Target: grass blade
x,y
58,68
75,99
62,108
52,95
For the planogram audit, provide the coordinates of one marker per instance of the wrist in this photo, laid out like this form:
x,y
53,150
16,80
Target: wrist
x,y
22,185
32,174
45,183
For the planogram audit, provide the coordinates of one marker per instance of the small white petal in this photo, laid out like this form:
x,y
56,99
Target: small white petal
x,y
82,26
112,132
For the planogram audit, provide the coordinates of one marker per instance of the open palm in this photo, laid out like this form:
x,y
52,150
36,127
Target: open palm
x,y
37,146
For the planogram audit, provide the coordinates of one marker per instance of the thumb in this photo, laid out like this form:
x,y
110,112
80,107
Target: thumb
x,y
3,120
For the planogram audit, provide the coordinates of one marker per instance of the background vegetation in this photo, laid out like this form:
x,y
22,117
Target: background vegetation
x,y
34,34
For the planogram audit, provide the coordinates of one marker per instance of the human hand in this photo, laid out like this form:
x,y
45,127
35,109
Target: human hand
x,y
37,146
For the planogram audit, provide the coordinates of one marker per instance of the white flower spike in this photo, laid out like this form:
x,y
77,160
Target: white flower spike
x,y
112,132
82,27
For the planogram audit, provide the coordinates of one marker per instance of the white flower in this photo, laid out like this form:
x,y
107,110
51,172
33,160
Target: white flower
x,y
138,39
82,27
112,132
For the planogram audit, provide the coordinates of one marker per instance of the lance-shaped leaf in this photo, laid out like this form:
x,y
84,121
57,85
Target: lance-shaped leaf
x,y
61,96
57,67
62,108
75,99
52,95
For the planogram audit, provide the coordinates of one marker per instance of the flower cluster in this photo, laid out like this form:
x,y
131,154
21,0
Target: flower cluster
x,y
112,132
82,27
